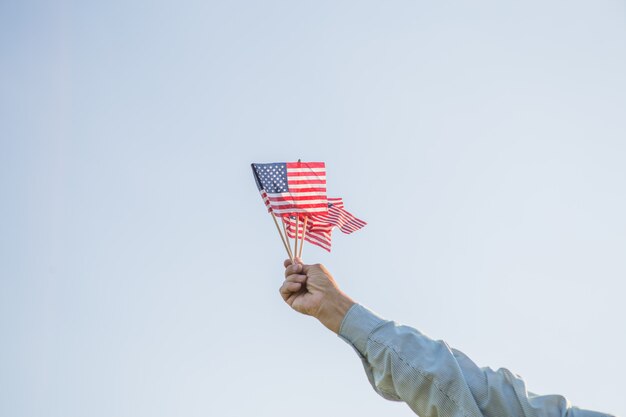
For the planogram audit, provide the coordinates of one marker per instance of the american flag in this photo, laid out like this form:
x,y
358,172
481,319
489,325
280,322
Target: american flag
x,y
292,187
319,226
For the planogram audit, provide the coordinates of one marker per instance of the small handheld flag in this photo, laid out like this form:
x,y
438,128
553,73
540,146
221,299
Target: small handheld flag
x,y
295,192
292,187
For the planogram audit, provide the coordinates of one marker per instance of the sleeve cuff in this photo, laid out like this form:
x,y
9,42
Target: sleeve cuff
x,y
357,325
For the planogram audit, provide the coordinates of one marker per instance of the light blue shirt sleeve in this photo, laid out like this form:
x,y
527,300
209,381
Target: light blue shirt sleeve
x,y
434,380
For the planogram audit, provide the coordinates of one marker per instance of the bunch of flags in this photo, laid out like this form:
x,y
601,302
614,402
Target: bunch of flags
x,y
295,194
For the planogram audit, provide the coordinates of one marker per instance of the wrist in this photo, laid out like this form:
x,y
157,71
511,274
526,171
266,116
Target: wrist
x,y
331,313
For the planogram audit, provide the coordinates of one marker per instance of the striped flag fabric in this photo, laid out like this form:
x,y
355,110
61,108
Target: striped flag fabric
x,y
292,187
319,227
340,217
318,234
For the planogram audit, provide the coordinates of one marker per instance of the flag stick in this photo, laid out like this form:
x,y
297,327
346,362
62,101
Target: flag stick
x,y
295,245
288,241
303,236
281,235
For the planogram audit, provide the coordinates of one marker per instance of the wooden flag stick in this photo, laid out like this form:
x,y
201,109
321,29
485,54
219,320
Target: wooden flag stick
x,y
295,245
303,236
281,236
288,241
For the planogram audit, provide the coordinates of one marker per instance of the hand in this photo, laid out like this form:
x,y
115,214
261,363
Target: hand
x,y
311,290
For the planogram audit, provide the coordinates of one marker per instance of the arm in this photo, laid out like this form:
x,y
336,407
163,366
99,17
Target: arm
x,y
404,365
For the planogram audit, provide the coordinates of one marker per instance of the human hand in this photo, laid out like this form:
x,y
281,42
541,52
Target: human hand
x,y
311,290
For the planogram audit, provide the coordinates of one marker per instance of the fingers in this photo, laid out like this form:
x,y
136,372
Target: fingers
x,y
293,283
288,262
288,288
293,269
296,278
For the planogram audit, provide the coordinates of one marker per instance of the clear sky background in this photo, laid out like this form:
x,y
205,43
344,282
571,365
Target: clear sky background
x,y
483,141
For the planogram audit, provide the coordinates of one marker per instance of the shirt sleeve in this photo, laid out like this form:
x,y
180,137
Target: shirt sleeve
x,y
434,380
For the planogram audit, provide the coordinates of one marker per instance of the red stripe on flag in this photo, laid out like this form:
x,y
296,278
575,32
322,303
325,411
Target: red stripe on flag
x,y
306,174
296,198
305,164
302,204
293,182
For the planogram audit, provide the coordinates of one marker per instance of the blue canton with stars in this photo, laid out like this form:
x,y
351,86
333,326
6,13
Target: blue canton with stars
x,y
271,177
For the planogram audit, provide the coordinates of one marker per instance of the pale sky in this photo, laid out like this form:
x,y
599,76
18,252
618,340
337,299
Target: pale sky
x,y
483,142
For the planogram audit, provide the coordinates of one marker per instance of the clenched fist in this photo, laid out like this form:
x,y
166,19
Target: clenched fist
x,y
311,290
